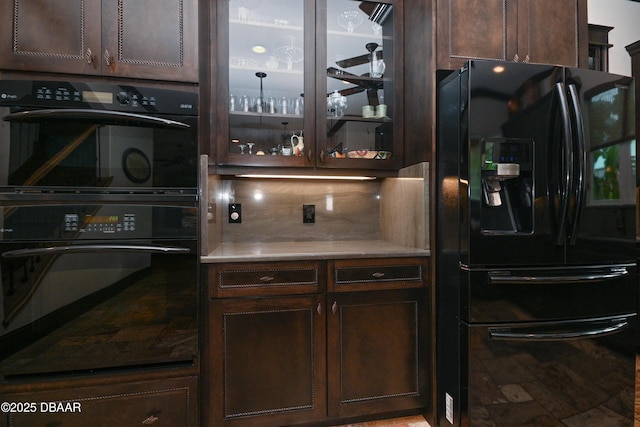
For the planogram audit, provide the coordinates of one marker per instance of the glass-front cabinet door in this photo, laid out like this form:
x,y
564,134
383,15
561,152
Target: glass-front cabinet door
x,y
270,81
358,126
307,83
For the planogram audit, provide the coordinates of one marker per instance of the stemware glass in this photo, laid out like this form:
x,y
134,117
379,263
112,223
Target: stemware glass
x,y
350,20
289,53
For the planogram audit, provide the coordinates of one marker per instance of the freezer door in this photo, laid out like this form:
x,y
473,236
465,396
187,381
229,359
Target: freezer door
x,y
559,293
571,373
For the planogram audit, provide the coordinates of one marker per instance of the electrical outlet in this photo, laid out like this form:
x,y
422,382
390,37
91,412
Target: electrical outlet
x,y
308,214
235,213
448,403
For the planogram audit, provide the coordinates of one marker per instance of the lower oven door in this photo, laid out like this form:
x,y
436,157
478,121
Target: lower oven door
x,y
95,305
551,373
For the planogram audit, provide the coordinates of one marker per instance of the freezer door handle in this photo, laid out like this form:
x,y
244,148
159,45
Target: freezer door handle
x,y
531,335
505,277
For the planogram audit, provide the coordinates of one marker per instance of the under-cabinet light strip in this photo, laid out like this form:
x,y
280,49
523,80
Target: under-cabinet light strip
x,y
327,177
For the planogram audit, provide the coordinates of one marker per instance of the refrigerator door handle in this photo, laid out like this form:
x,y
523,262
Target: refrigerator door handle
x,y
508,334
499,277
580,156
567,168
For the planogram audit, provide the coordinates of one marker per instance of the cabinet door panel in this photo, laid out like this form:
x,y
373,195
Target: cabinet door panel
x,y
150,39
478,29
539,43
270,360
50,35
376,353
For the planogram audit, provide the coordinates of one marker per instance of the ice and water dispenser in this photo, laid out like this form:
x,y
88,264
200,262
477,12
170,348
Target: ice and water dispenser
x,y
507,179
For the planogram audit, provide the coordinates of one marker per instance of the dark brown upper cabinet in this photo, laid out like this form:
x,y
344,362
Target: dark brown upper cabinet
x,y
148,39
540,31
308,84
441,35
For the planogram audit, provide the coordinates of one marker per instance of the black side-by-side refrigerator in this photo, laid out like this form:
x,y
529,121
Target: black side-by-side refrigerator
x,y
536,287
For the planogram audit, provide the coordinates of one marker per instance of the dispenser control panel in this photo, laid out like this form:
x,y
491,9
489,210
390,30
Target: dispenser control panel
x,y
507,182
501,151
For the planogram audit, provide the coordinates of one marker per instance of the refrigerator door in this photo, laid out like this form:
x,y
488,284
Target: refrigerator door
x,y
548,374
506,135
601,220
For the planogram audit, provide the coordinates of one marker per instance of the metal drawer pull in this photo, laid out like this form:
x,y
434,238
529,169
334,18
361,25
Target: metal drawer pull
x,y
319,309
334,307
150,420
378,275
109,60
266,279
90,57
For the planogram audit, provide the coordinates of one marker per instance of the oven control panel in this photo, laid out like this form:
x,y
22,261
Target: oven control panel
x,y
61,222
97,96
101,224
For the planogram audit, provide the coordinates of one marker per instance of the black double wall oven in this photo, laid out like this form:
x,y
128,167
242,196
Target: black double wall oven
x,y
98,229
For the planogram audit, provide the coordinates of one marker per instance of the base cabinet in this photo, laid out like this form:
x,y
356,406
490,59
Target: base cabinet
x,y
281,360
167,402
376,353
268,361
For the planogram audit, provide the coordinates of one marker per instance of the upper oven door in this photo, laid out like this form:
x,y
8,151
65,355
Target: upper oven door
x,y
108,137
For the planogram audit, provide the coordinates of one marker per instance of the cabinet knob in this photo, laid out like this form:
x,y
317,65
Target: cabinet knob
x,y
309,155
378,275
334,307
319,309
516,58
150,420
526,59
266,279
321,155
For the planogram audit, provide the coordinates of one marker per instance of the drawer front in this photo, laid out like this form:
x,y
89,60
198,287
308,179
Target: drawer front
x,y
273,278
377,274
171,402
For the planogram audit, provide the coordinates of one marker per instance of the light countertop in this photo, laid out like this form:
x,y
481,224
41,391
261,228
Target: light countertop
x,y
308,250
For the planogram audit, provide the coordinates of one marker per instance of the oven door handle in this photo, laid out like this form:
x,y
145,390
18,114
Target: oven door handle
x,y
53,250
98,116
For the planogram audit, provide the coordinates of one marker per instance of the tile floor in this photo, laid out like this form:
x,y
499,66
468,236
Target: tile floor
x,y
418,421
